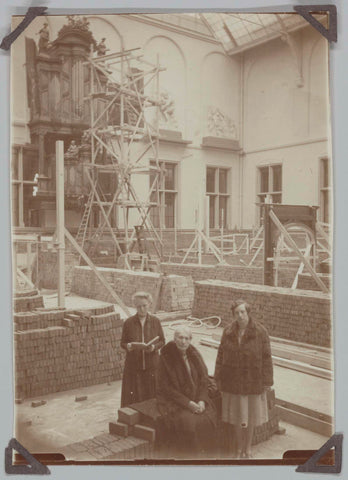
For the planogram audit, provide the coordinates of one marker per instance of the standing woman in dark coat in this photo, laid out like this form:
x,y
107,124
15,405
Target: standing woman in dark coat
x,y
139,375
243,373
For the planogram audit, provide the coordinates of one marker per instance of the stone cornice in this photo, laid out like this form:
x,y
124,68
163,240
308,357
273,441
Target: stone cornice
x,y
285,145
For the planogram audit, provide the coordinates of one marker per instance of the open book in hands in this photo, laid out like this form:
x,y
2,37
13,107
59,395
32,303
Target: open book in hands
x,y
142,345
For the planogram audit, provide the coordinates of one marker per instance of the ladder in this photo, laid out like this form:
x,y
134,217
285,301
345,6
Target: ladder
x,y
81,233
256,245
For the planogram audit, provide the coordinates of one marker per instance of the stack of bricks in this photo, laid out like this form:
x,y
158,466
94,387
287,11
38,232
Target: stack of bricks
x,y
128,424
27,300
38,319
266,430
133,423
109,447
57,350
299,315
176,291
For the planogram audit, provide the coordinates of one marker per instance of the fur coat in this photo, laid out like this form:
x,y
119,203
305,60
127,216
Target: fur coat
x,y
244,368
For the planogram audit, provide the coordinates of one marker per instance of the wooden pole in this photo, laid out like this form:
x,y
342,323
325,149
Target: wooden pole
x,y
29,260
14,265
206,221
60,221
222,233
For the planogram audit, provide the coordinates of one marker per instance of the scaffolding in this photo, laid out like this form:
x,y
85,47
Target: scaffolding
x,y
124,105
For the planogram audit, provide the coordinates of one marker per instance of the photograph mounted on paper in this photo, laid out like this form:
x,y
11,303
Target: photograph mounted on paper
x,y
171,183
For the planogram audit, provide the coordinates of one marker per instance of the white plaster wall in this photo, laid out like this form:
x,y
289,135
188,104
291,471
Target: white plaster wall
x,y
221,91
276,110
300,176
284,123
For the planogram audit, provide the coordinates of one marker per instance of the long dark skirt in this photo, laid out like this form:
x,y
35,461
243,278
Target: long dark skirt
x,y
190,435
137,386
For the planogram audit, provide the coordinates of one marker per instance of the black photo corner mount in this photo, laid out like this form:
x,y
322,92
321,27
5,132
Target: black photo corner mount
x,y
31,14
311,465
34,467
306,12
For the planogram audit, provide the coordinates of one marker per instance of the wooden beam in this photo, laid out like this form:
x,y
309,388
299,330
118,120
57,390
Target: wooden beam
x,y
156,303
25,278
300,268
60,221
314,274
100,277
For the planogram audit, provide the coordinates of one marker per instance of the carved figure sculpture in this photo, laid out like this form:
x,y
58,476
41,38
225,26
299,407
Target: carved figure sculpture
x,y
167,109
72,151
44,38
101,48
220,125
86,138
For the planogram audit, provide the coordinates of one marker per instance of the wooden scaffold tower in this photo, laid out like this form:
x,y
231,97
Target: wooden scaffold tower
x,y
124,105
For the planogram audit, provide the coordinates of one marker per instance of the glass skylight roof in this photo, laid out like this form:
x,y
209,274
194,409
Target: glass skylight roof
x,y
237,31
189,21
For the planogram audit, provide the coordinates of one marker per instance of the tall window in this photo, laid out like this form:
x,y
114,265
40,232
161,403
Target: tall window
x,y
217,190
270,183
325,190
165,213
24,166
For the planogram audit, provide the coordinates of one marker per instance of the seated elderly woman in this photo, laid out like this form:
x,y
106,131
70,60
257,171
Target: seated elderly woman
x,y
182,396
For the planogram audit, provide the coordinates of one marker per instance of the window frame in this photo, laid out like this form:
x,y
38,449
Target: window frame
x,y
161,209
270,191
217,194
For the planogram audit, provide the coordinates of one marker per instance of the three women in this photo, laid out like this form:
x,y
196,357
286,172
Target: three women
x,y
243,373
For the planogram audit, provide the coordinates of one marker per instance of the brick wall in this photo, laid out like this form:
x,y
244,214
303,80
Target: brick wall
x,y
176,291
298,315
218,272
61,350
307,282
27,300
48,269
228,273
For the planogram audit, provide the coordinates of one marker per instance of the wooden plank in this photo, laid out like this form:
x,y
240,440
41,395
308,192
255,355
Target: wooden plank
x,y
314,274
305,421
100,277
291,354
300,268
302,367
307,411
255,254
156,302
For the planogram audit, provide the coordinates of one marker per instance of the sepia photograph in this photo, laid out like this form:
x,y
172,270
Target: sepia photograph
x,y
171,212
